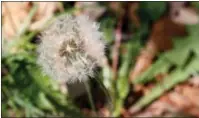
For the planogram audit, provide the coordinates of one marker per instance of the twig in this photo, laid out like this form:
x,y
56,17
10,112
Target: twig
x,y
144,60
116,49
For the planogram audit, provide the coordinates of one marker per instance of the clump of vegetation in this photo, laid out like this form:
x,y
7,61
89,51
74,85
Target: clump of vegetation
x,y
150,51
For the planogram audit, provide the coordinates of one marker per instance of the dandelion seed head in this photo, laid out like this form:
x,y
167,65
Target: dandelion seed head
x,y
71,48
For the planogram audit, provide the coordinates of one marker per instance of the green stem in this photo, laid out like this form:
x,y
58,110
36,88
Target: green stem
x,y
90,97
110,100
27,21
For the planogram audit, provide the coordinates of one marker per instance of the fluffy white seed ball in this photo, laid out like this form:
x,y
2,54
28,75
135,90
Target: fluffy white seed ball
x,y
71,48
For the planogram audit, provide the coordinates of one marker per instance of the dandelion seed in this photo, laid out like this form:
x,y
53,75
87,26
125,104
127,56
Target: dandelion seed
x,y
71,48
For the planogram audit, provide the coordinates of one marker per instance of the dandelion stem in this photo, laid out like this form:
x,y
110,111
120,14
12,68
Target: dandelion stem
x,y
90,97
106,93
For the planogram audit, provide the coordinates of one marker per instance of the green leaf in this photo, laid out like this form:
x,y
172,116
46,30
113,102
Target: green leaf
x,y
122,83
193,66
177,56
27,21
193,29
195,4
44,83
107,77
161,66
117,109
122,87
169,82
107,26
30,109
43,102
153,10
174,78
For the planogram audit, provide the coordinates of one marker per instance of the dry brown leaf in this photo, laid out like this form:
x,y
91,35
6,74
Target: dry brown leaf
x,y
86,112
181,101
162,32
192,93
182,14
177,5
194,81
104,112
193,111
185,16
91,9
158,108
160,40
132,13
124,113
117,8
139,88
14,14
145,89
45,11
144,60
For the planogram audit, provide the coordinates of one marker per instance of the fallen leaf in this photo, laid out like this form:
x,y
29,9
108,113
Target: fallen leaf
x,y
182,101
144,60
176,5
91,9
179,100
162,32
14,14
159,40
45,11
192,93
117,8
132,13
194,81
124,113
104,112
158,108
182,14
